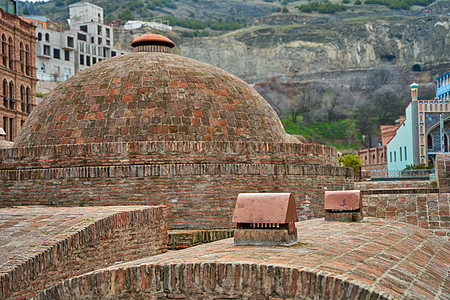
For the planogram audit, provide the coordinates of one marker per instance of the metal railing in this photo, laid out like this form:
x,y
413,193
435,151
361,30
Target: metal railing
x,y
385,175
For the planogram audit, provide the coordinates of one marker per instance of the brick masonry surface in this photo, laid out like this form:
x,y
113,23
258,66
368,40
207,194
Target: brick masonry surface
x,y
17,69
414,202
40,246
199,181
443,172
373,259
151,96
185,238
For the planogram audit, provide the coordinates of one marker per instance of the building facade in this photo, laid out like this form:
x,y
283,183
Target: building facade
x,y
61,54
443,86
17,70
425,130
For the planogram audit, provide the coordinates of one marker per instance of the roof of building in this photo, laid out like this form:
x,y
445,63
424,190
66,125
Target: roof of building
x,y
414,85
151,96
381,258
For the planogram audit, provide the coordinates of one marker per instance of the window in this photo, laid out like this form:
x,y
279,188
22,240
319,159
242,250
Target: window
x,y
11,124
400,151
99,30
5,124
395,156
84,28
107,32
47,50
92,40
47,37
108,43
27,98
4,47
390,156
5,94
81,37
21,55
39,36
113,53
66,55
10,53
88,60
406,156
11,95
27,60
81,59
94,60
99,40
56,53
70,41
429,142
22,98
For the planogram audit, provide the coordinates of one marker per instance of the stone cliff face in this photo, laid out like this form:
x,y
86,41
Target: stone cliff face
x,y
297,52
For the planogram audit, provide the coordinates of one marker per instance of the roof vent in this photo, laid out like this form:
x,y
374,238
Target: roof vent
x,y
343,206
265,219
153,43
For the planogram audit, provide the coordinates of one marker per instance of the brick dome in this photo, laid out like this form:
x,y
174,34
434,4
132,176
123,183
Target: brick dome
x,y
145,96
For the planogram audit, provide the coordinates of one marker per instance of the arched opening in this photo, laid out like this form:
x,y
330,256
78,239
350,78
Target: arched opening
x,y
5,93
429,142
21,58
445,143
430,161
416,68
11,95
22,97
27,60
4,48
10,53
47,37
27,97
39,36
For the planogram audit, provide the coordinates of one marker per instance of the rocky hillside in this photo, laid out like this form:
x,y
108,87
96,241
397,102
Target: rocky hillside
x,y
299,52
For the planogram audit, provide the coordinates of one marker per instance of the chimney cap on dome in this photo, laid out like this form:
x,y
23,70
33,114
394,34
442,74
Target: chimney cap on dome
x,y
152,39
414,85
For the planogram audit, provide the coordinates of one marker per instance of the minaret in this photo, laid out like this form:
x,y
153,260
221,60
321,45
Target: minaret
x,y
414,91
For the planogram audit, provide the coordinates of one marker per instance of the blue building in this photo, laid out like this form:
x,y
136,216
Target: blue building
x,y
425,130
443,86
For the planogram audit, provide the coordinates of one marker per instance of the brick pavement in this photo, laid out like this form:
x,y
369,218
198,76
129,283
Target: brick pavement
x,y
373,259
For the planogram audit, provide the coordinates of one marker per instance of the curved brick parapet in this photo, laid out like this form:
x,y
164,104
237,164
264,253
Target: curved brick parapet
x,y
199,181
373,259
40,246
166,152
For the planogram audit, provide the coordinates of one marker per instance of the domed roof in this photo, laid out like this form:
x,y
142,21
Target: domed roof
x,y
145,96
414,85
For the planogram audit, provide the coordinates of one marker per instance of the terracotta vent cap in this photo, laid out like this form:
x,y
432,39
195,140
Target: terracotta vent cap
x,y
152,39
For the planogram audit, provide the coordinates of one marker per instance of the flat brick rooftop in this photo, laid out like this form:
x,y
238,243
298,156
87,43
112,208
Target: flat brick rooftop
x,y
399,259
26,232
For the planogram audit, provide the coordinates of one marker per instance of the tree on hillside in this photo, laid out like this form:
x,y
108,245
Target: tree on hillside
x,y
303,100
336,100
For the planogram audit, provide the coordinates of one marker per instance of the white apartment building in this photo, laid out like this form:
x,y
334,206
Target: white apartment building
x,y
60,55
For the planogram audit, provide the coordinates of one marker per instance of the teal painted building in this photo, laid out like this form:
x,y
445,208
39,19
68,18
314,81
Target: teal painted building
x,y
425,130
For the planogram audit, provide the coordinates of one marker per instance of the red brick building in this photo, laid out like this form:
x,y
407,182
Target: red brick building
x,y
17,72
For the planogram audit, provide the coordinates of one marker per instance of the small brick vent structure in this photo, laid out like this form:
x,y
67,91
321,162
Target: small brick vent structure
x,y
343,206
265,219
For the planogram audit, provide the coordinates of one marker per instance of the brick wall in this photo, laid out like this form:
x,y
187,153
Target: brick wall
x,y
123,236
15,70
427,210
443,172
212,281
198,181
